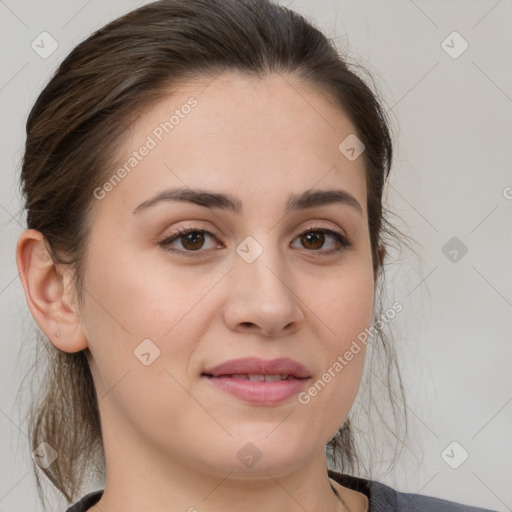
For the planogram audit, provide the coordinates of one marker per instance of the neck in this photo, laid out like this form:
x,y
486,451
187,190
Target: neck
x,y
142,478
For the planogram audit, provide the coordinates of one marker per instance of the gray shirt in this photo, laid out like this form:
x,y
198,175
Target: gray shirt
x,y
381,498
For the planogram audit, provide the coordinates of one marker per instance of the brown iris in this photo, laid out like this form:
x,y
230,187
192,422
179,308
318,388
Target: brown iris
x,y
316,238
193,241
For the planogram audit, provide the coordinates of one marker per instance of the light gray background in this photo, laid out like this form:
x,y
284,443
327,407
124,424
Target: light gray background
x,y
452,120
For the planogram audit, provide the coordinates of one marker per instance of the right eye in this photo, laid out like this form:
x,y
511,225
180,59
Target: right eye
x,y
191,240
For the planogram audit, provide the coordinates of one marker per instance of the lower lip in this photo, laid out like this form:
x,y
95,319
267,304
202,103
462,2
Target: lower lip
x,y
262,393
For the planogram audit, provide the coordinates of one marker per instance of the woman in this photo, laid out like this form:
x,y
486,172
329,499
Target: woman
x,y
205,240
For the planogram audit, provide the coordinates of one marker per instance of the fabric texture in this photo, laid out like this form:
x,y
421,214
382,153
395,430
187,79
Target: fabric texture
x,y
381,498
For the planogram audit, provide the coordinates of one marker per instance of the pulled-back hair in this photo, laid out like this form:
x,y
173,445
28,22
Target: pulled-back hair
x,y
79,121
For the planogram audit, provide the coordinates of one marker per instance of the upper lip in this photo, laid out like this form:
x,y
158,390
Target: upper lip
x,y
256,366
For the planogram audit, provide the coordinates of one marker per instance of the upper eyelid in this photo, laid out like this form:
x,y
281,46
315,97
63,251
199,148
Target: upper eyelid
x,y
182,231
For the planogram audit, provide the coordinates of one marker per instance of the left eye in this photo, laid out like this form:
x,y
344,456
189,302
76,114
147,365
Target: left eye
x,y
316,239
192,240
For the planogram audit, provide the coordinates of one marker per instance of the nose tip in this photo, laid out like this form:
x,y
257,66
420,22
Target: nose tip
x,y
260,301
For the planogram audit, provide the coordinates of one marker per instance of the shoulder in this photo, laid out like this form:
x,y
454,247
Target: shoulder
x,y
412,502
86,502
383,498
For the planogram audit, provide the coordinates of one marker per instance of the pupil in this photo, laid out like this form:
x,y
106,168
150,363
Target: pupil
x,y
192,239
311,237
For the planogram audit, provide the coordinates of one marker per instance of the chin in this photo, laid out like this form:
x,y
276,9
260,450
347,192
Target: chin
x,y
254,453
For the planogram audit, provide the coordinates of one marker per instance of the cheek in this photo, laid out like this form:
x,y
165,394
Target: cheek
x,y
141,330
142,299
345,302
140,313
345,307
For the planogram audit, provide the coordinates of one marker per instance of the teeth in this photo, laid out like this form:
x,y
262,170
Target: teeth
x,y
273,378
256,378
253,377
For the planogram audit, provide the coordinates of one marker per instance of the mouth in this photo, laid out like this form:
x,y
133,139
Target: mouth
x,y
259,381
256,369
255,377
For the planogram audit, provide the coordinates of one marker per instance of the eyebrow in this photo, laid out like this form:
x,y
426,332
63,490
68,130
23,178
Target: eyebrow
x,y
209,199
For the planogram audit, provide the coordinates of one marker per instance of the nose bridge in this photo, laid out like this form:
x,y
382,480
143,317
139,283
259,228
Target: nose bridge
x,y
261,265
261,292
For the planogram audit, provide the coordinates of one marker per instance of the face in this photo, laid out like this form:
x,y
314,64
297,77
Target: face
x,y
251,275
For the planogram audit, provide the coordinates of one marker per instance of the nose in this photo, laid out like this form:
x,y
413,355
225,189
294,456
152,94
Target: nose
x,y
262,297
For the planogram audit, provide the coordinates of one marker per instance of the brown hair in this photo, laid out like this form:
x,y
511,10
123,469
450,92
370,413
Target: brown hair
x,y
98,91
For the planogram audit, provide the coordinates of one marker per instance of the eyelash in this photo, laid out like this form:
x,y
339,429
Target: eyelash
x,y
165,243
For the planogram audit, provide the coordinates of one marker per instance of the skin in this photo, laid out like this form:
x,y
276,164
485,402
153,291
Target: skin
x,y
171,438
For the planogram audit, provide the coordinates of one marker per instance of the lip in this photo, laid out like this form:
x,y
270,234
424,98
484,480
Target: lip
x,y
223,376
283,365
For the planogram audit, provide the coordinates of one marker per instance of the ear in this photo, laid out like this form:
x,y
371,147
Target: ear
x,y
48,293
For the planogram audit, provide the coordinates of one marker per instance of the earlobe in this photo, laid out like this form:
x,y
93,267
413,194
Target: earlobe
x,y
47,293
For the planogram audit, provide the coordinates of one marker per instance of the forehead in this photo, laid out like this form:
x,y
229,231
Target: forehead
x,y
240,134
